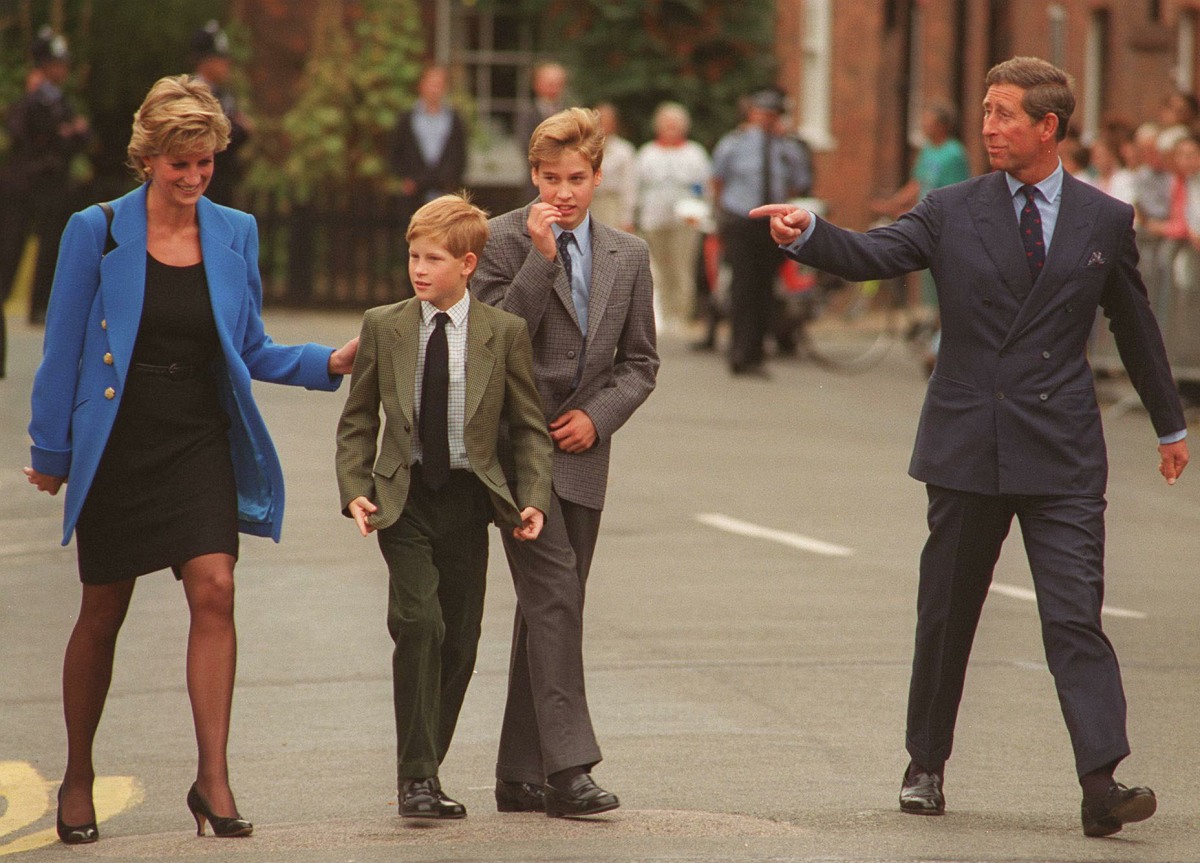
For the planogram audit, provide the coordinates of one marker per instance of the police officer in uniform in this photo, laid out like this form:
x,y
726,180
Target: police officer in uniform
x,y
214,65
35,192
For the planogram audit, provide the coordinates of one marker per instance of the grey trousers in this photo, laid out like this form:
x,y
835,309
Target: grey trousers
x,y
546,725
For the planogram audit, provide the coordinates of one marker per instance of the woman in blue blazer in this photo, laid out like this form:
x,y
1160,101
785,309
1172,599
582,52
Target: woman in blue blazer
x,y
143,402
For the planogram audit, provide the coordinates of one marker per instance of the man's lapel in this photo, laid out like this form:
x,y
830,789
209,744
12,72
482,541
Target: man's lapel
x,y
1076,219
992,210
480,359
604,274
404,356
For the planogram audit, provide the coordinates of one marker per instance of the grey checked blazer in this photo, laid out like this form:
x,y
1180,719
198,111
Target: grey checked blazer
x,y
499,385
621,360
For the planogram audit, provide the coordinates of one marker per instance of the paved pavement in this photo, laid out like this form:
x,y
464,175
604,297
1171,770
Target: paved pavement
x,y
749,626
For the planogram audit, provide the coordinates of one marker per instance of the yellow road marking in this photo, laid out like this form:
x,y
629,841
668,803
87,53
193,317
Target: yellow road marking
x,y
26,792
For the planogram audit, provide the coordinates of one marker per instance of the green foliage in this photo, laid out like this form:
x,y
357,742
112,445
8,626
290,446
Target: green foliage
x,y
360,75
118,49
702,53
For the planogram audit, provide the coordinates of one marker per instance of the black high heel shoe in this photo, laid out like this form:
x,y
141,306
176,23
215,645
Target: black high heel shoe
x,y
223,827
81,835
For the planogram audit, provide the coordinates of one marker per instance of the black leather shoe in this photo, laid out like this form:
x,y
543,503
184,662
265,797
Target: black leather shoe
x,y
519,797
84,834
921,793
423,798
581,797
1104,816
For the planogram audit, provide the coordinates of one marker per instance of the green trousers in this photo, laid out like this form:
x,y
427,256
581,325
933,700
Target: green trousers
x,y
436,555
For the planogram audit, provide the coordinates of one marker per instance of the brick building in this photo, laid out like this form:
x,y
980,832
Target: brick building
x,y
859,73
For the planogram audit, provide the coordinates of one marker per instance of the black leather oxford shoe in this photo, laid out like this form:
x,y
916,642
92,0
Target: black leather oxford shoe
x,y
921,793
423,798
1104,816
581,797
519,797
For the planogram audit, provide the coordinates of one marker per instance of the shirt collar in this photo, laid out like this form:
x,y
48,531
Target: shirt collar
x,y
423,108
582,232
457,312
1051,187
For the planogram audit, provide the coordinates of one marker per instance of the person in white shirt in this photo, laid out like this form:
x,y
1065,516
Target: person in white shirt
x,y
671,169
615,199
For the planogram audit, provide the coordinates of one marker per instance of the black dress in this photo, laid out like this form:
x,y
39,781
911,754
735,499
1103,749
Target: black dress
x,y
164,492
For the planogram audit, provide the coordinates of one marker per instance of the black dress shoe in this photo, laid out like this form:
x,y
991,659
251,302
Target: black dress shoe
x,y
581,797
423,798
84,834
921,793
750,370
519,797
1104,816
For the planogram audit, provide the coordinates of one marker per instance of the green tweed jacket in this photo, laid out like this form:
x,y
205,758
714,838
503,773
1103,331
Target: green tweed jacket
x,y
499,387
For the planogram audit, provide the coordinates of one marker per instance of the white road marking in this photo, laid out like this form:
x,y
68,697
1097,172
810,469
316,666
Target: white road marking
x,y
1011,590
755,531
816,546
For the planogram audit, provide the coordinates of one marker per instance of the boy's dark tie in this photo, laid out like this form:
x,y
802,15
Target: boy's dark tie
x,y
1031,233
578,297
435,387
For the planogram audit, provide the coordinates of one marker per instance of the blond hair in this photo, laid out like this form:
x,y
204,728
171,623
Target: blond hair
x,y
573,130
179,116
453,222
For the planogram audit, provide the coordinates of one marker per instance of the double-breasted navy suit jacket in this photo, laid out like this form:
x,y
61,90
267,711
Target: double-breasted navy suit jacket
x,y
92,325
1011,407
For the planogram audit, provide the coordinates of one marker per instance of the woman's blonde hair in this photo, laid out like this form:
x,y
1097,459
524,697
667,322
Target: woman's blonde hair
x,y
179,116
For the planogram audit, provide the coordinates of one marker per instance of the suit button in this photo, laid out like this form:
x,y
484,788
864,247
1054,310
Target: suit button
x,y
108,360
407,428
987,304
570,355
110,393
104,324
1000,395
1004,353
1045,355
1043,396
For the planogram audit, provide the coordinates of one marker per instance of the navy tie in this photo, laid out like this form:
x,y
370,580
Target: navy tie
x,y
435,389
1031,233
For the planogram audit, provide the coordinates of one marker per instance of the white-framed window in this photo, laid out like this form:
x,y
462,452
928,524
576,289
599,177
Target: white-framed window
x,y
1095,51
492,49
916,77
1057,13
1185,51
816,78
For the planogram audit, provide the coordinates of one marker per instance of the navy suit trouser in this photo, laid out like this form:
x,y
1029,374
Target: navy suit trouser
x,y
1064,542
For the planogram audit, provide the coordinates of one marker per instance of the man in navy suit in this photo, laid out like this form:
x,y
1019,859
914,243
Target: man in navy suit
x,y
1022,258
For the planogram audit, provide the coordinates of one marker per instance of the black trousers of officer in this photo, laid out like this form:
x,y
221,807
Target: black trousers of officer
x,y
1064,542
754,259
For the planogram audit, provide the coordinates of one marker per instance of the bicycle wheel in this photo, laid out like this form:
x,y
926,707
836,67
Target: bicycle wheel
x,y
851,326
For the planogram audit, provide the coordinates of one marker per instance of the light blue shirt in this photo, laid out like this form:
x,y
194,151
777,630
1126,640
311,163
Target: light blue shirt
x,y
581,266
1049,202
738,164
432,131
1048,198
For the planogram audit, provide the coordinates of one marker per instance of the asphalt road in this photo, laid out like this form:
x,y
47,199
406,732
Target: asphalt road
x,y
749,629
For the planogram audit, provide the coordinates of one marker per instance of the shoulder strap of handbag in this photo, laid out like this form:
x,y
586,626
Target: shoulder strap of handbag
x,y
110,243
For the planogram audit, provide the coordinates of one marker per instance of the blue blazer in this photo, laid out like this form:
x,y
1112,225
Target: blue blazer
x,y
92,324
1011,407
